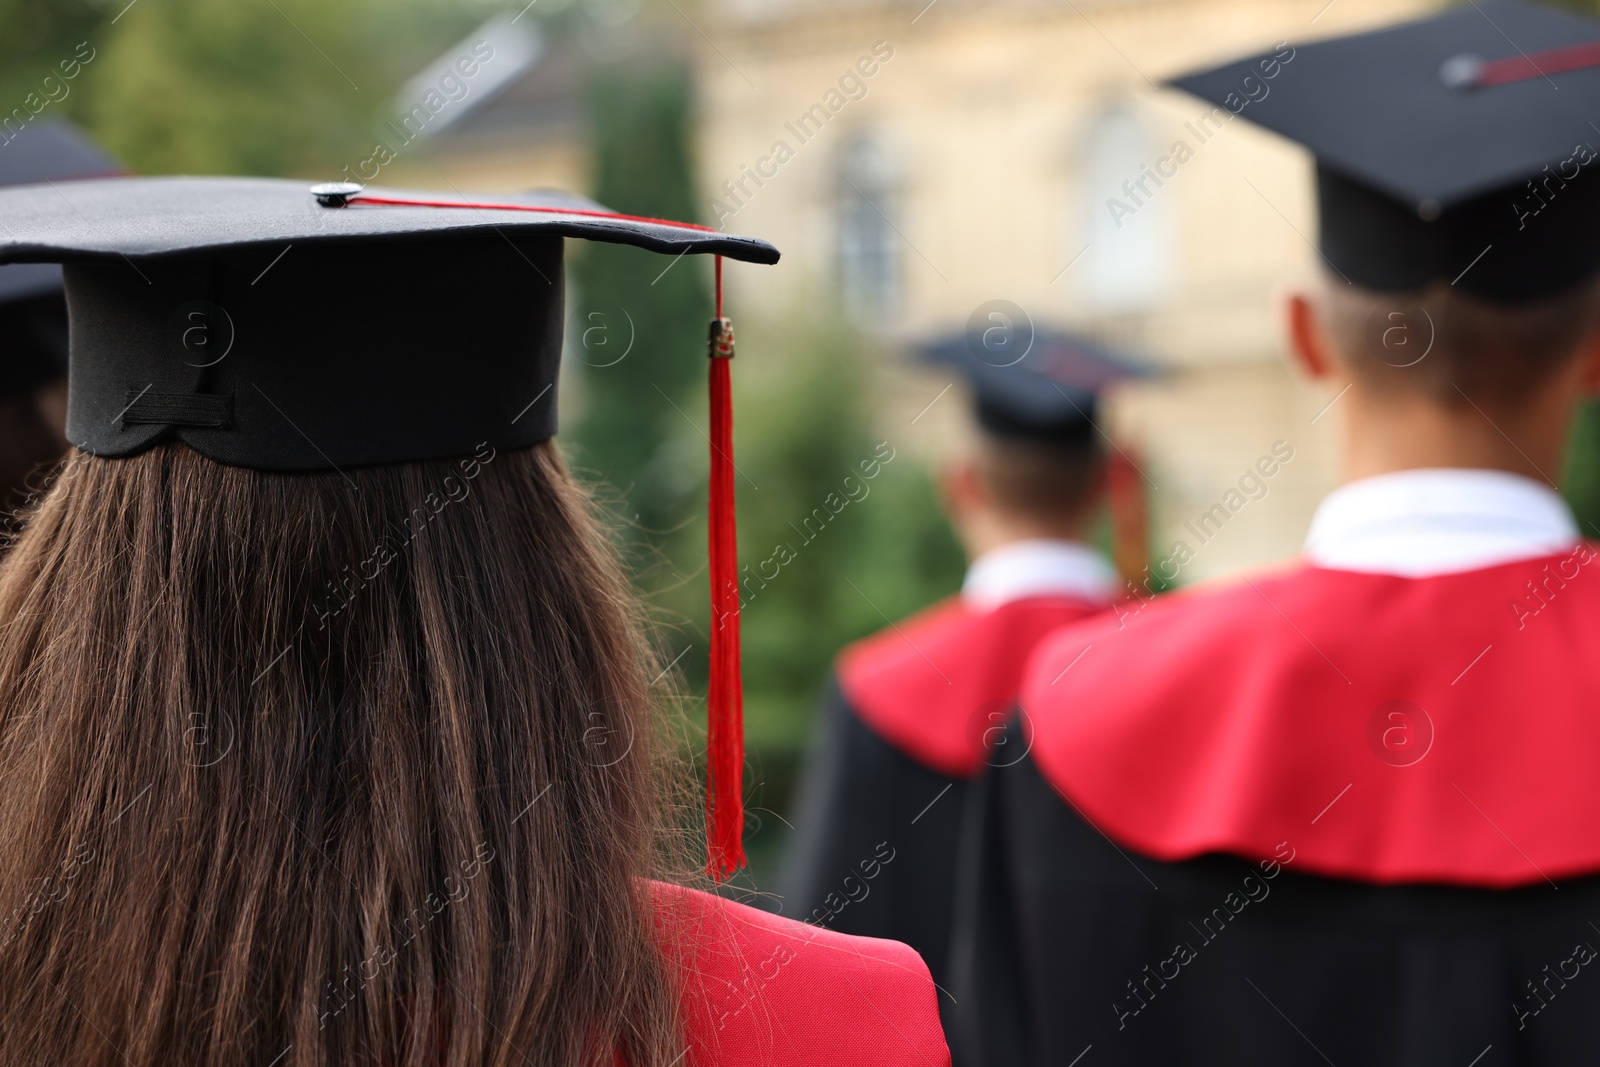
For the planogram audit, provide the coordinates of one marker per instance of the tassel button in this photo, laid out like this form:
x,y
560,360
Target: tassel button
x,y
721,339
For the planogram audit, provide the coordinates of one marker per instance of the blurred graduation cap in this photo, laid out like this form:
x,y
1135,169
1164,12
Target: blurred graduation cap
x,y
1049,393
1456,148
275,326
33,317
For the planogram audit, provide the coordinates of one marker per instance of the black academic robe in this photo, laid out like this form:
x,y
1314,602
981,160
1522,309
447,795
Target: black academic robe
x,y
1318,818
908,719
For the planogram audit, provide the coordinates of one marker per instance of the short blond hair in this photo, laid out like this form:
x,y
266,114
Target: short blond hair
x,y
1447,343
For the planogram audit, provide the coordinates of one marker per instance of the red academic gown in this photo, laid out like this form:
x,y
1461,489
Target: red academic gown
x,y
911,716
1322,817
757,988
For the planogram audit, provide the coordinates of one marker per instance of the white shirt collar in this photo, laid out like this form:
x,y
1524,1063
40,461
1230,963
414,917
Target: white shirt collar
x,y
1037,567
1419,523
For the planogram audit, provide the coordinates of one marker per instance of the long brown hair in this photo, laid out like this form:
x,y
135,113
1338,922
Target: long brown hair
x,y
324,769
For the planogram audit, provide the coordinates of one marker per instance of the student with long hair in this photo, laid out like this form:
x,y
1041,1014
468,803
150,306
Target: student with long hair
x,y
326,714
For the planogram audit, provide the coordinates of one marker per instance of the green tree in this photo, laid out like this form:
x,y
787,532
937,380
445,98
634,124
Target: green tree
x,y
1580,481
640,322
275,87
839,533
39,40
218,86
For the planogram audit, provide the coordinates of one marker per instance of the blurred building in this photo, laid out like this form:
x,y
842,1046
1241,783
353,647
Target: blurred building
x,y
929,165
999,151
516,123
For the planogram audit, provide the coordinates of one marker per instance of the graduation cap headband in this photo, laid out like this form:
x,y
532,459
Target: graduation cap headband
x,y
270,326
1435,163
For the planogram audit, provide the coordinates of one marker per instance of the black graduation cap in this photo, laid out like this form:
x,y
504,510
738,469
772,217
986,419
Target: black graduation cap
x,y
33,317
1465,135
1048,393
265,328
278,326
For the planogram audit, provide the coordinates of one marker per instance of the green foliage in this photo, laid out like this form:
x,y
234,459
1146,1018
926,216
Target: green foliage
x,y
185,58
1581,475
639,116
1580,480
219,86
35,37
839,534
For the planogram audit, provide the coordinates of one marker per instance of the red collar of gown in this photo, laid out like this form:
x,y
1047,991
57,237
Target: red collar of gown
x,y
940,685
1441,730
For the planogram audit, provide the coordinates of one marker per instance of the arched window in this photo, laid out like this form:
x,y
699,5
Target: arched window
x,y
1127,264
869,249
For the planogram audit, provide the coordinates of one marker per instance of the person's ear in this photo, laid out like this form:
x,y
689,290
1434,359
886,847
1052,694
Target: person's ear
x,y
1099,488
1591,365
960,488
1308,346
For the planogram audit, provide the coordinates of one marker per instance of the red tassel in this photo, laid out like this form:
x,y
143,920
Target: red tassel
x,y
725,701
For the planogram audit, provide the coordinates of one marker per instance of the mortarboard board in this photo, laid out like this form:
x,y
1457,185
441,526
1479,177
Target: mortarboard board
x,y
266,330
33,319
1049,394
1457,148
270,325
